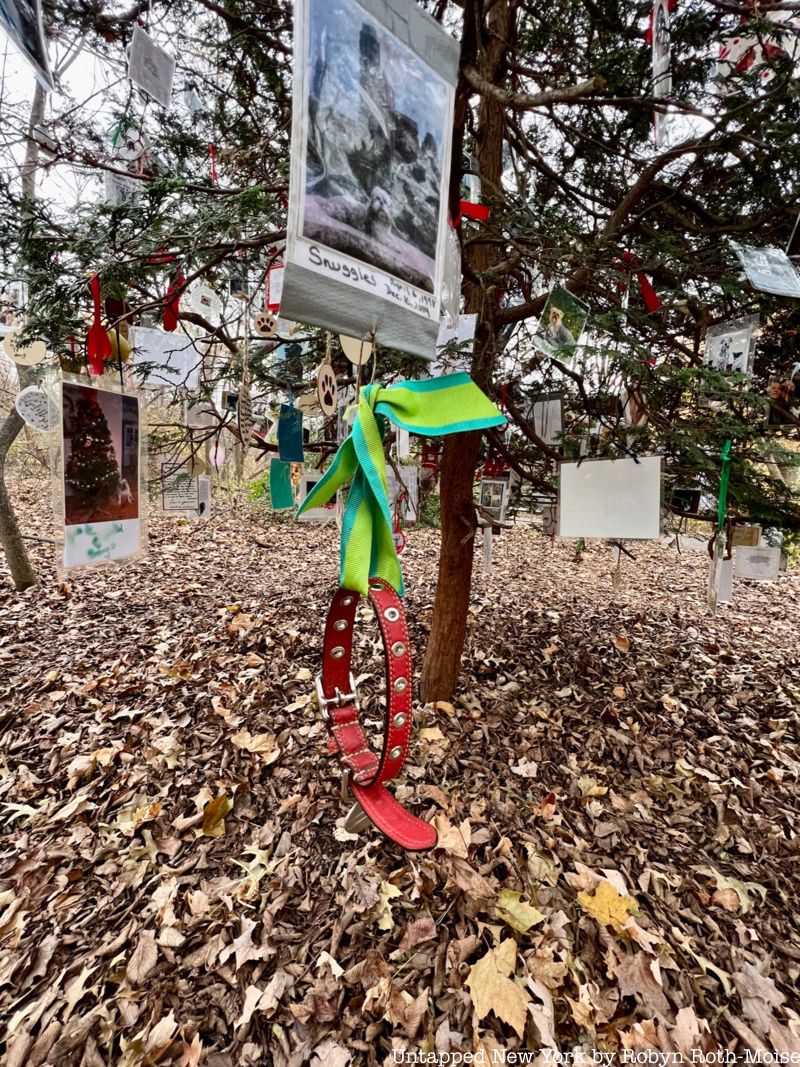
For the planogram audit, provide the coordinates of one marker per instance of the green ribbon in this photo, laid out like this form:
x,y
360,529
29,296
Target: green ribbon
x,y
724,479
433,408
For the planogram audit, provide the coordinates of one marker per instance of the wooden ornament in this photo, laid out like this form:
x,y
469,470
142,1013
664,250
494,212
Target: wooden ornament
x,y
265,324
29,355
357,351
326,389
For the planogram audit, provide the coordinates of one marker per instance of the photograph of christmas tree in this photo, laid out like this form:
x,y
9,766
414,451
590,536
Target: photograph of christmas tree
x,y
101,455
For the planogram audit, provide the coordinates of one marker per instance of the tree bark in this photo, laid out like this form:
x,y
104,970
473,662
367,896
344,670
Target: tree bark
x,y
442,661
22,572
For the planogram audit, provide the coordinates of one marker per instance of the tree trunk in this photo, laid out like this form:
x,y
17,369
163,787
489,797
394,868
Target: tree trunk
x,y
22,572
442,661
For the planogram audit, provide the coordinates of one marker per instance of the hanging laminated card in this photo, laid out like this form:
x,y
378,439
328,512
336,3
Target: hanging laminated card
x,y
613,498
374,88
99,475
730,346
150,67
290,434
768,269
280,485
22,21
561,325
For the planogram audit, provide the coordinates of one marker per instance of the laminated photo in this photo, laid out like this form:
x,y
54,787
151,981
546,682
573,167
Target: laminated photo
x,y
731,346
662,77
150,67
22,21
100,450
13,298
546,413
372,126
768,269
561,324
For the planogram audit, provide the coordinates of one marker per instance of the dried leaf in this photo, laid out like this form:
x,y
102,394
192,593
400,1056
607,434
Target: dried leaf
x,y
607,906
214,816
492,989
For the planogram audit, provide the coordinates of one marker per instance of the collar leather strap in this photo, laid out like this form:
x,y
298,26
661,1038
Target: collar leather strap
x,y
367,771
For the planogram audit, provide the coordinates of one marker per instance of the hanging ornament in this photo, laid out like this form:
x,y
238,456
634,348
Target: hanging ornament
x,y
150,67
217,456
98,346
33,406
172,301
326,389
25,355
265,324
357,351
274,287
120,347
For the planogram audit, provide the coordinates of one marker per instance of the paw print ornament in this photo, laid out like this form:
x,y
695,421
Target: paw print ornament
x,y
265,324
326,389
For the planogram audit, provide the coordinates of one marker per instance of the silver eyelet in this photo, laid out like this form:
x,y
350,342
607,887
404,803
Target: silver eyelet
x,y
396,753
400,685
391,614
337,652
399,720
348,600
377,586
340,624
398,648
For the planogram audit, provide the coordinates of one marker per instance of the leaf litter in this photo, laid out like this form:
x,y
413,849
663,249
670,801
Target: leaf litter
x,y
615,787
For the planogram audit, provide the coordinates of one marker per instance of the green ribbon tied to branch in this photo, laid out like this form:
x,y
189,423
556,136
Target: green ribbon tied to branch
x,y
724,479
433,408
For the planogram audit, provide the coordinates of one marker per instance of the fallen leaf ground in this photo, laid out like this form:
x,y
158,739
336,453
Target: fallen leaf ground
x,y
616,791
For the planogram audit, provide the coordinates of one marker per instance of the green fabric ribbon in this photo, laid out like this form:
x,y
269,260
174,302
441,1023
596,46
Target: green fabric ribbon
x,y
434,407
724,479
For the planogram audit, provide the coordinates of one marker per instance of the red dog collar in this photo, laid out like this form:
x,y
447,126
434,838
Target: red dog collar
x,y
338,700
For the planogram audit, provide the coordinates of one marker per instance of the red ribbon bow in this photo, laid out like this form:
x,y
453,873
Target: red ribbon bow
x,y
629,264
98,345
172,302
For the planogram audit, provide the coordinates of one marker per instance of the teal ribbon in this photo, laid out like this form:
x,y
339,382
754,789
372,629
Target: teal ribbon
x,y
434,407
724,479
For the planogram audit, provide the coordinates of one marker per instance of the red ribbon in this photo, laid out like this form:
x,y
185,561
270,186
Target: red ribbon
x,y
172,302
476,212
212,151
629,264
98,345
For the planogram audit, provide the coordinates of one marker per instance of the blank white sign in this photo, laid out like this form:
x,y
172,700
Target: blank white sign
x,y
758,564
617,498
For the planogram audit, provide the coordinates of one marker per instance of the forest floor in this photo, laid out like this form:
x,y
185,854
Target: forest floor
x,y
615,789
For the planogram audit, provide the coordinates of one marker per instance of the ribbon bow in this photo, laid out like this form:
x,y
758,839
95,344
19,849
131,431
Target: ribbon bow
x,y
631,265
434,407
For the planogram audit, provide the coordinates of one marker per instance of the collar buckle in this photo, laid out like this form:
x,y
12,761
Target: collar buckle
x,y
338,700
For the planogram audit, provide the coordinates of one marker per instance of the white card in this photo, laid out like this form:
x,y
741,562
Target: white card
x,y
615,498
757,564
33,406
150,67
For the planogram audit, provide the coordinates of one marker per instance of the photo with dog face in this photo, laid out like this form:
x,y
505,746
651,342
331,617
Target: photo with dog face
x,y
377,132
561,324
100,436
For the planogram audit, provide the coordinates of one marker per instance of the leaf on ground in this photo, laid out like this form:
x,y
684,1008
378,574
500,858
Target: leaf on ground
x,y
388,892
607,906
513,910
143,959
214,816
492,989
